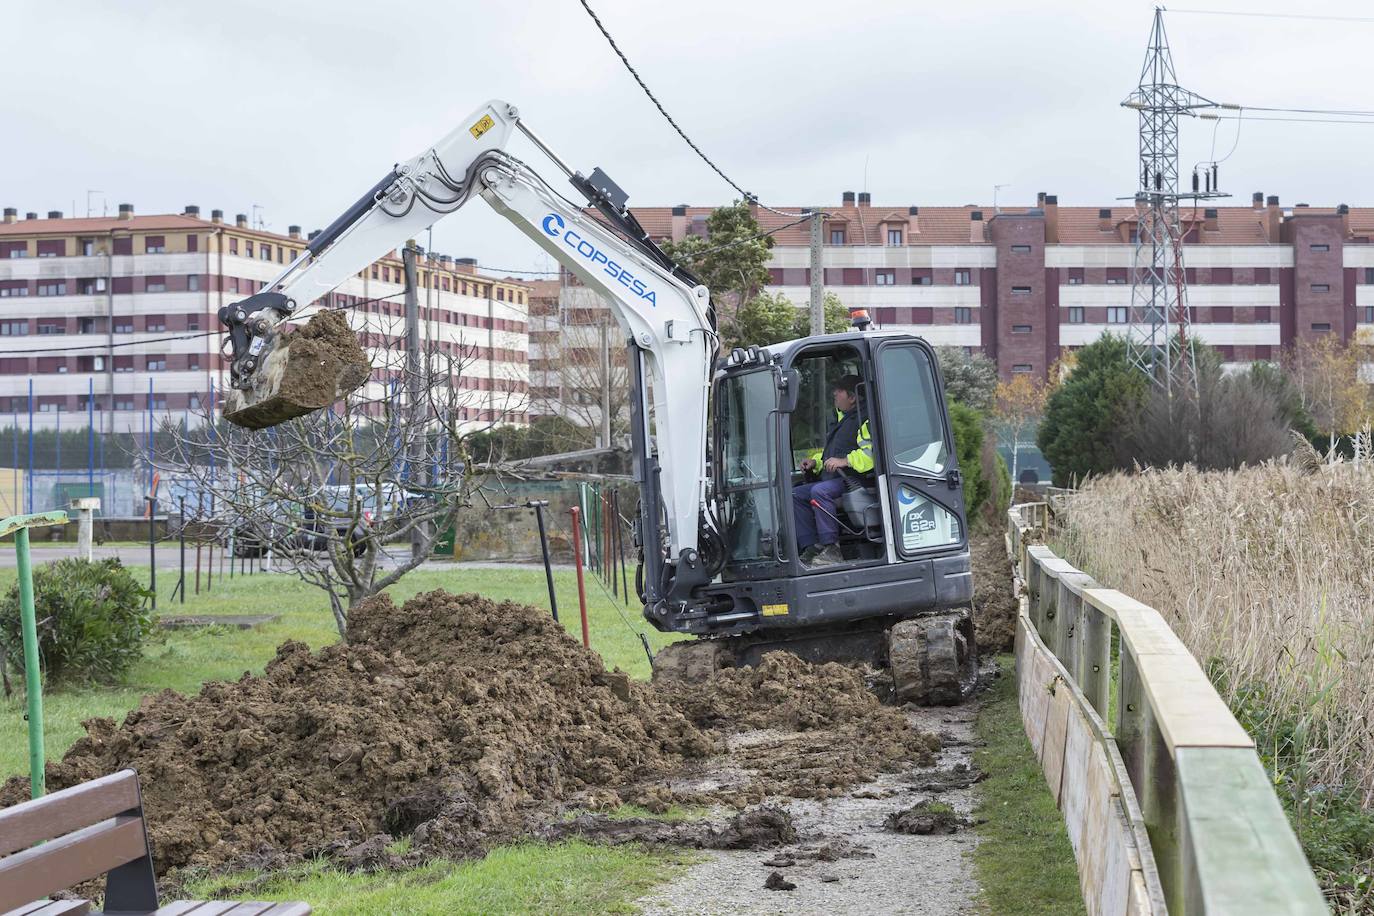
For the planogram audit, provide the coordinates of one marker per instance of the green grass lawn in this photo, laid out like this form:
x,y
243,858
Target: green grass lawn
x,y
1024,861
565,878
184,659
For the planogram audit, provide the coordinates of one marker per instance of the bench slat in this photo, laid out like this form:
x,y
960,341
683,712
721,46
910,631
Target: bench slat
x,y
197,908
52,908
69,860
49,817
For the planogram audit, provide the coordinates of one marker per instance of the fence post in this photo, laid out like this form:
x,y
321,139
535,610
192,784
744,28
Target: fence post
x,y
152,548
538,506
581,589
181,541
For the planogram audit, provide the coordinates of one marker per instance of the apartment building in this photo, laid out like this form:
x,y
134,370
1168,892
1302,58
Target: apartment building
x,y
119,315
1022,284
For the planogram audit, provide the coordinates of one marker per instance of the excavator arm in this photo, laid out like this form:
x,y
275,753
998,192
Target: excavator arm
x,y
663,312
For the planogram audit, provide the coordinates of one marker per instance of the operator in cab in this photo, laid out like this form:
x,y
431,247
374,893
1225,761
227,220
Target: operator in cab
x,y
848,449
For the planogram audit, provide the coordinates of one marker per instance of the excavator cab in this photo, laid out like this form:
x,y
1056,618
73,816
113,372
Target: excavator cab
x,y
899,597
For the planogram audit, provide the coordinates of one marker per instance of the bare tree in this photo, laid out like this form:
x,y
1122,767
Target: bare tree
x,y
1326,371
354,497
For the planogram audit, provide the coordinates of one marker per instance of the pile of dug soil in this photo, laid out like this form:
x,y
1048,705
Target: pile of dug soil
x,y
447,719
994,603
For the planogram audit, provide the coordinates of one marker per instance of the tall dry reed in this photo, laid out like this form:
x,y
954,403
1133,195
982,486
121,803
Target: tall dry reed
x,y
1267,574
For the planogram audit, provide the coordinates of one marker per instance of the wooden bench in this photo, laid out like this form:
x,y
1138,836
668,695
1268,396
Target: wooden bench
x,y
60,840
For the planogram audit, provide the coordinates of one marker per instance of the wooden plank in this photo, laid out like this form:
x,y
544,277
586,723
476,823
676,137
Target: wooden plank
x,y
1074,783
1240,854
52,908
196,908
49,817
289,909
68,861
1118,865
1099,798
1056,732
1138,903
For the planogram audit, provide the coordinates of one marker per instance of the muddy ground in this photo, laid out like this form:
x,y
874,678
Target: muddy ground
x,y
463,723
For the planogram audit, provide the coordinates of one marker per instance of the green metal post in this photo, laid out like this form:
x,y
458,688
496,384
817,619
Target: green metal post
x,y
33,678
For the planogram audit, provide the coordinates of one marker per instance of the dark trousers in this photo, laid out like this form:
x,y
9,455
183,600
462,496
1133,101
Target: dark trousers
x,y
815,526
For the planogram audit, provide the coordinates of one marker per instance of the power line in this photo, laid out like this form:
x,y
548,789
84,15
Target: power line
x,y
663,111
1253,15
1291,120
40,351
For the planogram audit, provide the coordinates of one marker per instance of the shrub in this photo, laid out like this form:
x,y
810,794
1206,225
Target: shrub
x,y
967,425
92,621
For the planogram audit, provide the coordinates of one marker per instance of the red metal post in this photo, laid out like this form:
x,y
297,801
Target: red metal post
x,y
581,588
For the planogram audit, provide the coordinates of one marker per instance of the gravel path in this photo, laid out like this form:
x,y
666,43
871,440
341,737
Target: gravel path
x,y
845,862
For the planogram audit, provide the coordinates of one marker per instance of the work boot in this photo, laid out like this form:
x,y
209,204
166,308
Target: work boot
x,y
807,553
828,555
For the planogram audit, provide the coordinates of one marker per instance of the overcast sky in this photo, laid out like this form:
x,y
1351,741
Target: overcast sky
x,y
299,107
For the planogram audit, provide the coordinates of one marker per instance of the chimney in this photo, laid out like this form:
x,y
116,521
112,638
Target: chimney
x,y
445,262
191,210
311,236
1257,200
54,214
1209,220
679,225
753,202
1040,199
975,226
1050,202
126,211
30,215
293,231
11,214
865,199
1343,211
1104,219
847,199
1302,206
913,221
241,220
465,265
1273,218
216,216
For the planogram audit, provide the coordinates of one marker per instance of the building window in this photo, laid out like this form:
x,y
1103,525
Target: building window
x,y
10,288
1321,326
52,327
837,236
192,243
193,282
1369,275
265,251
1020,249
1321,248
193,322
14,249
157,364
86,246
193,362
154,244
374,271
123,245
123,403
1021,369
1115,281
155,285
194,402
1369,314
885,277
1321,287
155,323
124,326
1020,329
89,286
1262,314
1075,281
233,246
894,237
963,315
52,288
1020,290
1116,314
247,248
1075,314
920,278
85,325
52,248
963,278
14,328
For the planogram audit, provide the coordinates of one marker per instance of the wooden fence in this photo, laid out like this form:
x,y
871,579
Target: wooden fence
x,y
1167,806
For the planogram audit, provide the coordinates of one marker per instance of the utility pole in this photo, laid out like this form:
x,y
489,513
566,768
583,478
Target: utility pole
x,y
605,385
817,272
415,430
1158,339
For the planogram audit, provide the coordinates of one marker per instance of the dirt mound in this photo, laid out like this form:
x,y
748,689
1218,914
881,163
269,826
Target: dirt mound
x,y
994,603
924,818
451,717
763,827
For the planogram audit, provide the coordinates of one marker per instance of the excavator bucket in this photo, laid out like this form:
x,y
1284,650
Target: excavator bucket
x,y
304,370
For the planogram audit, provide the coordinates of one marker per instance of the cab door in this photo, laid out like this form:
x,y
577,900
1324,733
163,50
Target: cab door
x,y
922,482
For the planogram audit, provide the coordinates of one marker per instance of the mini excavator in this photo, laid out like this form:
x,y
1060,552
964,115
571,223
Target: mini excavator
x,y
718,440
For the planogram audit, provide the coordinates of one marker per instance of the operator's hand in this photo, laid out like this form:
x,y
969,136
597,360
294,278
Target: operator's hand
x,y
834,464
808,464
